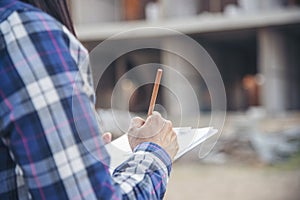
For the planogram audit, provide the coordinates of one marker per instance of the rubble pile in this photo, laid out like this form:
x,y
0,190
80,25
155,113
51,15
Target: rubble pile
x,y
253,147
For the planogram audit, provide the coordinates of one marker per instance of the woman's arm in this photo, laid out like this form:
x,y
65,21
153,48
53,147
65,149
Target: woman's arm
x,y
51,128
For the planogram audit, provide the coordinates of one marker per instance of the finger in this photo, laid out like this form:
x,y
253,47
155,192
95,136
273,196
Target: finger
x,y
174,136
156,116
106,137
165,131
155,119
168,127
137,122
155,113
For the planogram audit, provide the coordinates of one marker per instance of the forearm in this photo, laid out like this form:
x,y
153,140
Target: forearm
x,y
145,174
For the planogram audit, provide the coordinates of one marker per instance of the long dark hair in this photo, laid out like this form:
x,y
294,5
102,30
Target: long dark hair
x,y
58,9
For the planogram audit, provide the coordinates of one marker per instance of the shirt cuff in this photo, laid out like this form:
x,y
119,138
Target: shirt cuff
x,y
157,151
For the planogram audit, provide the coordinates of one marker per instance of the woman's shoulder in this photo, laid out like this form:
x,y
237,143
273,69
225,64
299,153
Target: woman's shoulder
x,y
21,17
24,21
24,11
33,19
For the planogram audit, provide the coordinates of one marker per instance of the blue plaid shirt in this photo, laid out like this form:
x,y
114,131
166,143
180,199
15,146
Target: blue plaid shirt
x,y
50,144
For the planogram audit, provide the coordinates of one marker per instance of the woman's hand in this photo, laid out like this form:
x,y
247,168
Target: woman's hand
x,y
155,129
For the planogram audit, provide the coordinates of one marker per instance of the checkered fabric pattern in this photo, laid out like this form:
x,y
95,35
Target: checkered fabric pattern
x,y
50,144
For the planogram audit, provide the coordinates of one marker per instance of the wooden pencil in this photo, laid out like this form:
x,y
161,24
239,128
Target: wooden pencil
x,y
155,91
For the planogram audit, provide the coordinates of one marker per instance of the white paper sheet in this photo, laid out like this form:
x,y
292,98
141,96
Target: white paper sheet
x,y
188,139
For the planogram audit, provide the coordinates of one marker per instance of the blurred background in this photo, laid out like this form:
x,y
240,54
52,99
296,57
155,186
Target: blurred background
x,y
255,45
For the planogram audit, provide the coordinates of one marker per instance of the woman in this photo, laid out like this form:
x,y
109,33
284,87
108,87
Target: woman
x,y
43,140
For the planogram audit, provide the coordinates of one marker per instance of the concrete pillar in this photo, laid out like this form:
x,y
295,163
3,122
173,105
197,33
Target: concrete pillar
x,y
182,81
273,65
95,11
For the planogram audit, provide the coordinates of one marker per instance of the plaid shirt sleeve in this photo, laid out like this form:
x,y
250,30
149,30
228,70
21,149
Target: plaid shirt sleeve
x,y
50,145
